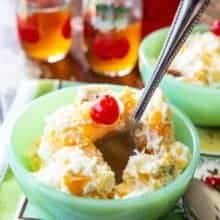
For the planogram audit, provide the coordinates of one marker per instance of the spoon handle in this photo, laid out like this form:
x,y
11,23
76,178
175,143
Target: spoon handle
x,y
187,15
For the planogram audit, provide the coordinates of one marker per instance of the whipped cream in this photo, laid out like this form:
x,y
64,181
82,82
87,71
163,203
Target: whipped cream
x,y
72,163
198,60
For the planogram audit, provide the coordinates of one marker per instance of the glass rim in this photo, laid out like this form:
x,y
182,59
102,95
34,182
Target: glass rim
x,y
44,4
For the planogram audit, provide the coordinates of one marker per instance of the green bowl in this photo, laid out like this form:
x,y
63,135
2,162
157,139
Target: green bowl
x,y
200,103
58,205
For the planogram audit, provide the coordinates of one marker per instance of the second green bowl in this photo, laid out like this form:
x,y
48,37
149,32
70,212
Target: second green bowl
x,y
200,103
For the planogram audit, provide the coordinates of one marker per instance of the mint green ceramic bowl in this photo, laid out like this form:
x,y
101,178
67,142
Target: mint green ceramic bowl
x,y
200,103
60,206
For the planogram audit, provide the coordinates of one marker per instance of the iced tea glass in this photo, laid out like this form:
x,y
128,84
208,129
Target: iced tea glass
x,y
112,33
44,28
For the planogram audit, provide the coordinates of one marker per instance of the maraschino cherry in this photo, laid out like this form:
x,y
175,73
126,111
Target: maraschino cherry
x,y
216,27
107,47
213,181
121,47
28,30
103,47
66,30
105,111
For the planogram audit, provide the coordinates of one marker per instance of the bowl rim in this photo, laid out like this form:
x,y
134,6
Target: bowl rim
x,y
72,200
144,60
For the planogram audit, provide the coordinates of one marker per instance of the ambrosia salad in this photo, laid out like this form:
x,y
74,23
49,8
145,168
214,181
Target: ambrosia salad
x,y
71,162
198,60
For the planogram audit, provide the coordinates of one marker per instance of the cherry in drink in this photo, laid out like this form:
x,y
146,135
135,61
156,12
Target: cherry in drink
x,y
44,28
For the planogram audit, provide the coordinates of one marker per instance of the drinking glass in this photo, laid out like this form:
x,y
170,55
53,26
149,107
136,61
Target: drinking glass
x,y
44,28
112,33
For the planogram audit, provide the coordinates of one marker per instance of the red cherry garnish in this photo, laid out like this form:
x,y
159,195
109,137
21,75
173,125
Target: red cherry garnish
x,y
121,48
88,30
216,27
213,181
103,47
107,47
66,30
28,30
106,111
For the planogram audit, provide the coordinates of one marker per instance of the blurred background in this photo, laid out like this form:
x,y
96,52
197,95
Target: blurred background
x,y
15,65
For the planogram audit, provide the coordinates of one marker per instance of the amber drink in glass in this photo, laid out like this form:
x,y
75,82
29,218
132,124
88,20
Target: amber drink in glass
x,y
44,28
112,32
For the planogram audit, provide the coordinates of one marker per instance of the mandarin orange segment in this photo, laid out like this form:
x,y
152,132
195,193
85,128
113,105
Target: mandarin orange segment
x,y
164,129
144,177
129,100
76,183
155,120
202,76
95,132
122,189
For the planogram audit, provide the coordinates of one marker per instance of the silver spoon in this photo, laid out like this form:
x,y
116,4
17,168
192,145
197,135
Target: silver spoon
x,y
117,147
